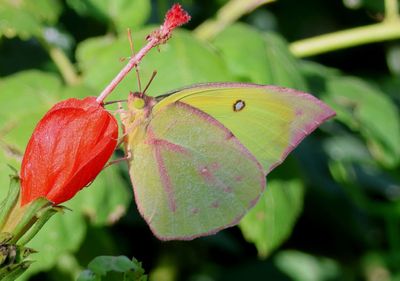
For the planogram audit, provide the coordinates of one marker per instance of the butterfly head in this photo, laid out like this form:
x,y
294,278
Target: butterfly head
x,y
138,102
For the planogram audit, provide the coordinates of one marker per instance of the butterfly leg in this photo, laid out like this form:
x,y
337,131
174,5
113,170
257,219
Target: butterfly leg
x,y
127,157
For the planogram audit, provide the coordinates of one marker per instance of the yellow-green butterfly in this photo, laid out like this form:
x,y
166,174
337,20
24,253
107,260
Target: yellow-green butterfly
x,y
199,155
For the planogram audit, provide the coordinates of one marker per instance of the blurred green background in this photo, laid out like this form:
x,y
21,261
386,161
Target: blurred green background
x,y
330,212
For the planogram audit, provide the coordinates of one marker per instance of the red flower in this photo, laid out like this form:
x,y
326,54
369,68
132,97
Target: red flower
x,y
175,17
68,148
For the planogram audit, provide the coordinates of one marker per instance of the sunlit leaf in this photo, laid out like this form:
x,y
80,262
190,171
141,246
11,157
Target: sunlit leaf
x,y
121,13
305,267
258,57
366,109
271,221
27,18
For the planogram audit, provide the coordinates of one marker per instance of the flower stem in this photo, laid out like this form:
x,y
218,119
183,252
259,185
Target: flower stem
x,y
64,65
228,14
128,67
386,30
391,10
174,18
10,201
45,215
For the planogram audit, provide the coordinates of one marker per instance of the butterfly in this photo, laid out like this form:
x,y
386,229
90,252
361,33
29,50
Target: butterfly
x,y
199,156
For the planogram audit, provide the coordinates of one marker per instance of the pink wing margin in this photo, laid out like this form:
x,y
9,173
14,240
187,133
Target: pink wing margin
x,y
326,114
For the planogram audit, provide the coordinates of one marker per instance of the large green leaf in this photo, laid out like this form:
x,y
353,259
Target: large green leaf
x,y
258,57
271,221
121,13
27,18
183,60
367,110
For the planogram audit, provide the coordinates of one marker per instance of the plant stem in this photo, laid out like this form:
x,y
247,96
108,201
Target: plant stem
x,y
391,10
386,30
174,18
128,67
228,14
64,65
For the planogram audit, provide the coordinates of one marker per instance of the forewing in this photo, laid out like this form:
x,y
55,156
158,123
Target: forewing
x,y
269,121
191,176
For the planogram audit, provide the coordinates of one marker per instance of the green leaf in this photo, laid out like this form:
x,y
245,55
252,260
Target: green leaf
x,y
304,267
182,61
27,18
347,148
316,75
121,13
258,57
367,110
47,11
100,266
246,58
284,68
271,221
393,59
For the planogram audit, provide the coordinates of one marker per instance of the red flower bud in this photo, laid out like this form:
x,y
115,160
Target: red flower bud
x,y
67,150
175,17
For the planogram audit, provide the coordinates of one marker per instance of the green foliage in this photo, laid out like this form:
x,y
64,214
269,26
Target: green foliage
x,y
272,220
273,63
364,115
26,18
335,202
120,13
99,267
98,59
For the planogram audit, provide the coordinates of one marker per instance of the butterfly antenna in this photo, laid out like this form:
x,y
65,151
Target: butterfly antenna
x,y
151,80
114,101
133,54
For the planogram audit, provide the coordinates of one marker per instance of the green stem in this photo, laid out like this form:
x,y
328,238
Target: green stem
x,y
386,30
13,272
42,219
10,201
28,217
64,65
391,10
228,14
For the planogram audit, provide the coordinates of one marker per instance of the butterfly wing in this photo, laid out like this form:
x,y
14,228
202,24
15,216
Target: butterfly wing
x,y
269,121
191,176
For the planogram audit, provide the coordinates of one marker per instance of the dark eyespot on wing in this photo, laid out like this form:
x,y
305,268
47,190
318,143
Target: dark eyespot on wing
x,y
239,105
